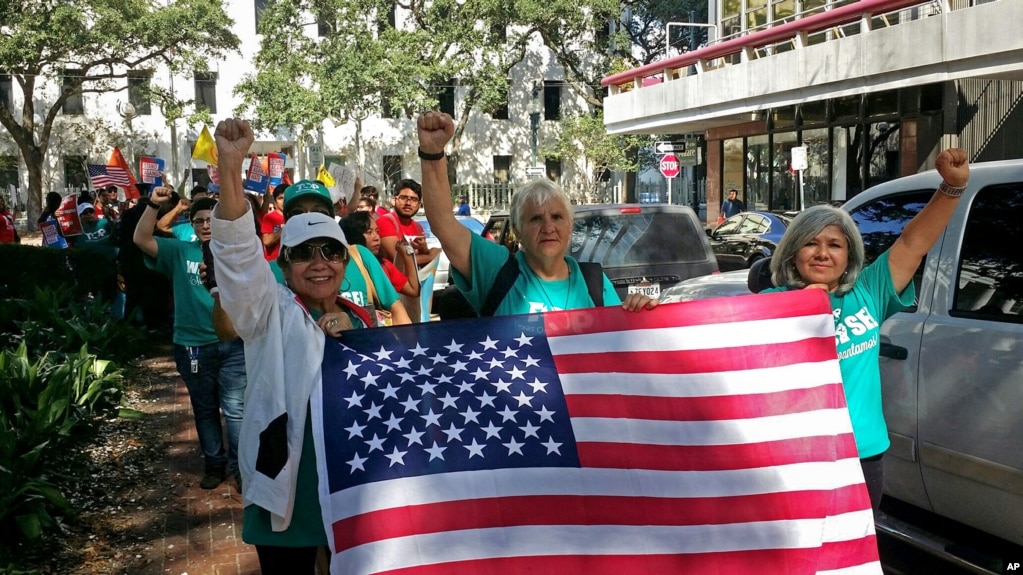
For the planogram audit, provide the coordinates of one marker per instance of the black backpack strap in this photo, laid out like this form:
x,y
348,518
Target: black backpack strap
x,y
594,276
506,276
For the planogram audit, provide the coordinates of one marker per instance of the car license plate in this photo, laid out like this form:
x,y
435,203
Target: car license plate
x,y
651,290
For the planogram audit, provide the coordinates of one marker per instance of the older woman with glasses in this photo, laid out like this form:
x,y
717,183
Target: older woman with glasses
x,y
287,331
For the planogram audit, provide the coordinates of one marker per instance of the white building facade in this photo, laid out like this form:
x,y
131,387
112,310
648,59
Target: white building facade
x,y
383,150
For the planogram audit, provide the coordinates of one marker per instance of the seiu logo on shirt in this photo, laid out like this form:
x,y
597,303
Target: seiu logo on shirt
x,y
357,297
192,269
853,325
96,235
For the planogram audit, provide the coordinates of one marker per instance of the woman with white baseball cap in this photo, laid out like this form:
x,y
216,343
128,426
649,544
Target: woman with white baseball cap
x,y
287,330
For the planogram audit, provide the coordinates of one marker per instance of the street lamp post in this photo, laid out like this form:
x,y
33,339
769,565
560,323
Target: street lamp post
x,y
128,112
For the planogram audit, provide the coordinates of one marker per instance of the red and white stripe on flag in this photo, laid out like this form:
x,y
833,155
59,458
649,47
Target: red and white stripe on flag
x,y
712,437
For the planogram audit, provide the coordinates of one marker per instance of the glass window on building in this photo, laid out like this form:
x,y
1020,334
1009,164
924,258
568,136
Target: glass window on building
x,y
138,91
756,14
883,161
783,118
846,109
502,169
9,176
847,176
733,167
70,82
446,98
782,10
553,169
75,175
816,189
813,113
6,92
206,91
758,173
784,180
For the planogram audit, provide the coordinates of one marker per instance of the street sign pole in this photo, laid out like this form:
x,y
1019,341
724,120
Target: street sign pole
x,y
800,163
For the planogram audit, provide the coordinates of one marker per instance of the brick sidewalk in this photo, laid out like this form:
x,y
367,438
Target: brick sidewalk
x,y
201,529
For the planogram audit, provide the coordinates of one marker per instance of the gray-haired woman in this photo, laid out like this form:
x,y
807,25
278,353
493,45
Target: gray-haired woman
x,y
541,215
822,249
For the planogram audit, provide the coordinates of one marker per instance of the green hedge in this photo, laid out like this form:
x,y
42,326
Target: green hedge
x,y
45,405
29,267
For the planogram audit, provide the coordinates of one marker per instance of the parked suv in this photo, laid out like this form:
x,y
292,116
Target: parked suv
x,y
952,366
645,248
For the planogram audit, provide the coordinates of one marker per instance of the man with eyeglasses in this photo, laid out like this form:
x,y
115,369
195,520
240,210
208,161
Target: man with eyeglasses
x,y
213,371
408,197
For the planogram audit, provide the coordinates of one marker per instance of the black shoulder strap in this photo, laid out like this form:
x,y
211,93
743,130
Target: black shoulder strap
x,y
594,276
506,276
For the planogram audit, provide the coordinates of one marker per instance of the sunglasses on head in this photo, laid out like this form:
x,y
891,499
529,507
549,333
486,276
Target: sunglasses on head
x,y
332,252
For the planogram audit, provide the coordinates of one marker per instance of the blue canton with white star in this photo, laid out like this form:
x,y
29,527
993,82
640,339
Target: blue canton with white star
x,y
442,397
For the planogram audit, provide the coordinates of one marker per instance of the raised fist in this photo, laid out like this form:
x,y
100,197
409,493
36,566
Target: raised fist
x,y
161,195
954,166
435,131
234,138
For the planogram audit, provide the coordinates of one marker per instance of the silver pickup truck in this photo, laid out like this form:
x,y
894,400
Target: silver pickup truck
x,y
952,366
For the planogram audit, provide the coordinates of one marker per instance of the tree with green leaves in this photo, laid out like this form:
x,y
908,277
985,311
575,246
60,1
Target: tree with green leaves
x,y
366,61
89,47
600,40
584,140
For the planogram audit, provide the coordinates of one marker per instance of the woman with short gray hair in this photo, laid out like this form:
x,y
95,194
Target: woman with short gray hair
x,y
822,249
547,279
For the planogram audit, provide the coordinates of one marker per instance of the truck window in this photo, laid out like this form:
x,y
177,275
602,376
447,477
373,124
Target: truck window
x,y
881,222
989,277
618,239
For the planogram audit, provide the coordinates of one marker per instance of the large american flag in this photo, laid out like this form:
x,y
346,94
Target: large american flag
x,y
702,437
103,176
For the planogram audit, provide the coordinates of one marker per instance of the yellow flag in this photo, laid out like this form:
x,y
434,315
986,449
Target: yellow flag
x,y
324,176
206,148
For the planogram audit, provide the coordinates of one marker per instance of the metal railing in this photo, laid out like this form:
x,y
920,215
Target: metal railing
x,y
989,104
793,33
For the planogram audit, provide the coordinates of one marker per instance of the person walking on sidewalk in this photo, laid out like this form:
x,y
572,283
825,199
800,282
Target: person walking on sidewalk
x,y
288,331
213,371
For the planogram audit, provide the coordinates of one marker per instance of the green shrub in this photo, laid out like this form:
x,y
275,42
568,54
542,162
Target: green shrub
x,y
38,267
54,320
44,405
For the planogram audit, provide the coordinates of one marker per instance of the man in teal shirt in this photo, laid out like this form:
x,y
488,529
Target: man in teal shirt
x,y
97,239
213,371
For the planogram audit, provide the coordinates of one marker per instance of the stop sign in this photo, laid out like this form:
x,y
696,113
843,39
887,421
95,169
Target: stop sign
x,y
669,166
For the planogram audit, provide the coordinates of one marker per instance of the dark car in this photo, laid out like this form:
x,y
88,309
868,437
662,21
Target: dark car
x,y
744,238
642,248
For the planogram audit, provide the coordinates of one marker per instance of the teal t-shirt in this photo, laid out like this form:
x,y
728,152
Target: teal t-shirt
x,y
858,318
306,528
184,231
193,305
529,293
353,286
97,239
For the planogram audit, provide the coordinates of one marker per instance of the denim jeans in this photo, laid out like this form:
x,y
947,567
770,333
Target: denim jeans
x,y
218,386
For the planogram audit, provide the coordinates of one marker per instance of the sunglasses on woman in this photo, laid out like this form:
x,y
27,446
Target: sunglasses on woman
x,y
332,252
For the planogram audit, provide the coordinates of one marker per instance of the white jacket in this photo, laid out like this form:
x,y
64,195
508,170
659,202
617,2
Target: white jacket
x,y
283,355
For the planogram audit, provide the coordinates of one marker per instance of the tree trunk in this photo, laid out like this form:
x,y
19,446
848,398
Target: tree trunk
x,y
34,163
